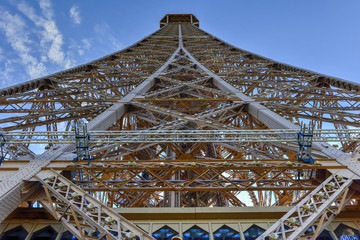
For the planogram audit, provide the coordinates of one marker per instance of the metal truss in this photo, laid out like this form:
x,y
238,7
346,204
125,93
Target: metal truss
x,y
293,93
169,136
318,208
179,119
81,214
192,176
259,175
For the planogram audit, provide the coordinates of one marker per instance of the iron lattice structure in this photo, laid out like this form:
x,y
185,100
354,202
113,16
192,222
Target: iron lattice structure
x,y
179,79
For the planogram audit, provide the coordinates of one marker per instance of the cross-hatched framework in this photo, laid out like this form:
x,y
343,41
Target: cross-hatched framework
x,y
179,81
81,213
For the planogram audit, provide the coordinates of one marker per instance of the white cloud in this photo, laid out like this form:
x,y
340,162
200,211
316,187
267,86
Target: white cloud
x,y
85,45
80,47
6,74
1,54
51,37
75,14
104,31
14,28
45,5
81,52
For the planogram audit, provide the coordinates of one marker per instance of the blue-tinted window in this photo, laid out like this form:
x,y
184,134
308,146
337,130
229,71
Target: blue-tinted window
x,y
68,236
95,234
114,233
18,233
226,233
310,230
343,230
165,233
196,233
324,235
47,233
253,232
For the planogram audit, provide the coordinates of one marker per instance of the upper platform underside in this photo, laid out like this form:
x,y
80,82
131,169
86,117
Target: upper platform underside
x,y
179,18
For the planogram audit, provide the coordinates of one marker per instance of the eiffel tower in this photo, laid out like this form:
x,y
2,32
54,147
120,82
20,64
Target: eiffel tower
x,y
180,134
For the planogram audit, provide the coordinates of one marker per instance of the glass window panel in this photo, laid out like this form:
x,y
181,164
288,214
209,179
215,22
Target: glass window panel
x,y
18,233
345,232
165,233
325,235
253,232
196,233
47,233
68,236
226,233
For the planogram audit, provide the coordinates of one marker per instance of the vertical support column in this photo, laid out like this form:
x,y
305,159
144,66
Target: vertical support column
x,y
305,137
2,148
173,195
82,142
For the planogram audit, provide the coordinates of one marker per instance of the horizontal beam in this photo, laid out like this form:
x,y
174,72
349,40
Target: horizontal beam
x,y
250,166
204,176
199,189
170,136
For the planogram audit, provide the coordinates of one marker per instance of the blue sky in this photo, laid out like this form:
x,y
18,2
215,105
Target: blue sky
x,y
40,37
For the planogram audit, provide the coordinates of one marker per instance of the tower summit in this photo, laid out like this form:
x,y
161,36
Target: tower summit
x,y
180,134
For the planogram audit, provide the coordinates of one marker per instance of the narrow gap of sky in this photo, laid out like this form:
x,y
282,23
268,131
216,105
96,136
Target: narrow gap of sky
x,y
41,37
